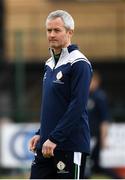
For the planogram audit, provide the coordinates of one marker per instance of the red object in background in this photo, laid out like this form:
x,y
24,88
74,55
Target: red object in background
x,y
120,171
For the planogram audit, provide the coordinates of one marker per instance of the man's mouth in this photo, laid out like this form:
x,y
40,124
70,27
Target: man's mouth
x,y
52,40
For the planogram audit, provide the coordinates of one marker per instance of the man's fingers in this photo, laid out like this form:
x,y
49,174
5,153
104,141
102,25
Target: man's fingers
x,y
32,145
48,148
47,151
51,152
33,142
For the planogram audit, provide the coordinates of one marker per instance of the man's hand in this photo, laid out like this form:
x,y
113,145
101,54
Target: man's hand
x,y
48,148
32,143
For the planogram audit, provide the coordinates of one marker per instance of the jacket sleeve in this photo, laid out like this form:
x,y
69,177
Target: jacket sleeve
x,y
37,132
81,73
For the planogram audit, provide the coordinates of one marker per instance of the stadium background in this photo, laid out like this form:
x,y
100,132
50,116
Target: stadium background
x,y
100,34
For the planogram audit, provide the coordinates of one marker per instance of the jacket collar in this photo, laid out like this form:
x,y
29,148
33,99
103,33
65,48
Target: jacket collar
x,y
65,51
63,56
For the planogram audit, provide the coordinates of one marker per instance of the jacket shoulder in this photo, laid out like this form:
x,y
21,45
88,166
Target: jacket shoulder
x,y
76,56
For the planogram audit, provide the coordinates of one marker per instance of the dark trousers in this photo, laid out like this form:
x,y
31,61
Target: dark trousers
x,y
61,166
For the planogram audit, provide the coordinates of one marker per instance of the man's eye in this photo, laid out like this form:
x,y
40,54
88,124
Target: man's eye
x,y
57,30
49,30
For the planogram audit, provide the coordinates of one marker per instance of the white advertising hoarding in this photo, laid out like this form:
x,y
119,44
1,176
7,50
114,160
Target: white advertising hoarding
x,y
15,153
14,144
114,154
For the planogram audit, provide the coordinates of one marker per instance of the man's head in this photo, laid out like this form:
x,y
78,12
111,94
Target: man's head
x,y
60,27
96,81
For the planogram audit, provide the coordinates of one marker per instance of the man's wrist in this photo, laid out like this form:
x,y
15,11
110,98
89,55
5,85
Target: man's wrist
x,y
53,140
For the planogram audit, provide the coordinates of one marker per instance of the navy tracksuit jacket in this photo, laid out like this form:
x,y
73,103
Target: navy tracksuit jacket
x,y
64,118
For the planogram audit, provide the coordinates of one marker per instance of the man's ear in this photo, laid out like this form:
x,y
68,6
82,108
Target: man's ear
x,y
71,32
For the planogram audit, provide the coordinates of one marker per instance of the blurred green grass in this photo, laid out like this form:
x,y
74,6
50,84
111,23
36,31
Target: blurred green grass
x,y
26,176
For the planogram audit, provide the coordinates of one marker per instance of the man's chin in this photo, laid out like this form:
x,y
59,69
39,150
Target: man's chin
x,y
53,47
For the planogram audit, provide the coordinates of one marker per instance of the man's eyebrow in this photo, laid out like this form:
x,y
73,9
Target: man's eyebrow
x,y
57,28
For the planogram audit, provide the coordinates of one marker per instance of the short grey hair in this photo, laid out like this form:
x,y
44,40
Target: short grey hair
x,y
65,16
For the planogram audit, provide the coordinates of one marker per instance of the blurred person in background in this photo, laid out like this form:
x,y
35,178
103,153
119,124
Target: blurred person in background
x,y
99,119
63,140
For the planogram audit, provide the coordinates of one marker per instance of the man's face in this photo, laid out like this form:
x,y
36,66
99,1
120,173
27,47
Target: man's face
x,y
58,36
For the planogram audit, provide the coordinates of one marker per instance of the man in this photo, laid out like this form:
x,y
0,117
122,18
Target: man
x,y
99,120
62,142
98,111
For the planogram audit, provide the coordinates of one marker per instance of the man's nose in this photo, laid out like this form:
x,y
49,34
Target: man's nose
x,y
52,34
